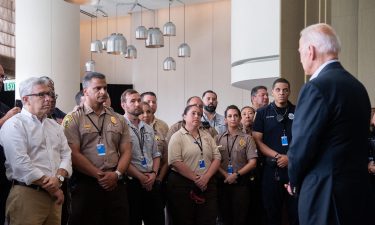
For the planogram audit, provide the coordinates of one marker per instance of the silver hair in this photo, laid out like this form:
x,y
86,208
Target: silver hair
x,y
26,86
323,37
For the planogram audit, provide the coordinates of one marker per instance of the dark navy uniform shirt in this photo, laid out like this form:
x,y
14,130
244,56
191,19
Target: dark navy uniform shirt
x,y
272,130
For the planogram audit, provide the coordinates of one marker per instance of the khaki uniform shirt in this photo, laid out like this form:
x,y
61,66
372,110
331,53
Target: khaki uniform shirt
x,y
79,130
182,148
177,126
243,150
160,126
162,145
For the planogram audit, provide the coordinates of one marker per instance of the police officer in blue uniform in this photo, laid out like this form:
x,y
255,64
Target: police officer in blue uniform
x,y
272,134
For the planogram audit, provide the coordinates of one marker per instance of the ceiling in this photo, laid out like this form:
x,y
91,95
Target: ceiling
x,y
109,6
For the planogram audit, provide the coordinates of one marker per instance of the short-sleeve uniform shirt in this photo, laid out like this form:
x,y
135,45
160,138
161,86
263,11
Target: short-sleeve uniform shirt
x,y
239,148
272,130
183,147
82,128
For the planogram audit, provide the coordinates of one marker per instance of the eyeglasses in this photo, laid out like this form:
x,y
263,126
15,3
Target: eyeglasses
x,y
42,95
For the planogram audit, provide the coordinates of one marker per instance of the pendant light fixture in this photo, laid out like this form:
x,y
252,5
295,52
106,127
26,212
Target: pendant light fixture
x,y
116,42
184,49
141,31
169,29
131,50
169,63
105,40
155,37
96,46
90,65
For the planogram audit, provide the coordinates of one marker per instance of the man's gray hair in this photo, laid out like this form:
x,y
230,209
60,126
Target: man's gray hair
x,y
26,86
323,37
89,76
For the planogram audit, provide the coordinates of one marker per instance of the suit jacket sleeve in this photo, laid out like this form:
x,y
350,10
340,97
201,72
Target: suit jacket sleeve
x,y
310,119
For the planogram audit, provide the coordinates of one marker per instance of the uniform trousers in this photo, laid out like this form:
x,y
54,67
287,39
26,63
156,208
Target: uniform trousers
x,y
27,206
234,201
184,210
92,205
146,206
275,196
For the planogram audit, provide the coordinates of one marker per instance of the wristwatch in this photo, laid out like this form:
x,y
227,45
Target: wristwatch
x,y
238,174
61,179
119,175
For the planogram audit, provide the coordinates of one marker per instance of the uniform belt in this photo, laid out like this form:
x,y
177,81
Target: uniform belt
x,y
33,186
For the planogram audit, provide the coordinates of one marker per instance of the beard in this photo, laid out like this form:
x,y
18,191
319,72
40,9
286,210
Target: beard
x,y
136,112
210,108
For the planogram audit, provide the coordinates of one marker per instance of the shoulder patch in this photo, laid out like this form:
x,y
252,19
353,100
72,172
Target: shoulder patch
x,y
67,120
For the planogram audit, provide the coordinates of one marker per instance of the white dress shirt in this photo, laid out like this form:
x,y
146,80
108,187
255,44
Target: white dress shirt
x,y
316,73
33,148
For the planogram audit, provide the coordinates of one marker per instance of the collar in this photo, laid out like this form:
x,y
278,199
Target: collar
x,y
205,117
88,110
25,112
237,133
140,125
316,73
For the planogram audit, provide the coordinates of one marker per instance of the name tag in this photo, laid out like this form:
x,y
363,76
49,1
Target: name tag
x,y
284,140
202,164
100,148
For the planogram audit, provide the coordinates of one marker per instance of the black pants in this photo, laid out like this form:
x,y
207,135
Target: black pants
x,y
145,205
92,205
234,200
275,196
183,209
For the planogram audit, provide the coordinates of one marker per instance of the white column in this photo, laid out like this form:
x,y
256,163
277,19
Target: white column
x,y
47,44
255,42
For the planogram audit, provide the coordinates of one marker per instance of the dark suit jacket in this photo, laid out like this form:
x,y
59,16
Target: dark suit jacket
x,y
329,151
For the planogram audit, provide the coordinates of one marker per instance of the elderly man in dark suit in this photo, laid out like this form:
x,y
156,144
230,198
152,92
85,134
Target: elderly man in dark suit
x,y
328,153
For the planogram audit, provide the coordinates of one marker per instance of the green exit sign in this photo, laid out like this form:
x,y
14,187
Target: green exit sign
x,y
9,85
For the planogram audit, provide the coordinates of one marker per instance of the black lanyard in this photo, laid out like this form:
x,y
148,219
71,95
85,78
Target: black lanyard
x,y
101,128
230,150
199,143
141,139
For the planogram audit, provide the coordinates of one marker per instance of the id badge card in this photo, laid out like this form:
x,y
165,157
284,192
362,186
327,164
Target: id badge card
x,y
144,162
202,164
230,169
284,140
100,148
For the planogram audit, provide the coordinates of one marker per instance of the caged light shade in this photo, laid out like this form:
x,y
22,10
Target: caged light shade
x,y
169,64
141,33
116,44
184,50
131,52
155,38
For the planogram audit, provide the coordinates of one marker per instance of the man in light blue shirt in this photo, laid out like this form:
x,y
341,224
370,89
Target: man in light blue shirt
x,y
145,200
210,117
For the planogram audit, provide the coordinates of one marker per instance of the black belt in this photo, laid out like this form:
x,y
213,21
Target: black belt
x,y
33,186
